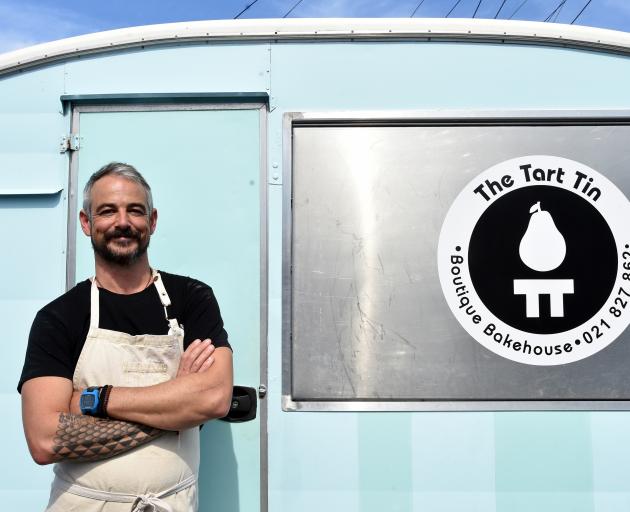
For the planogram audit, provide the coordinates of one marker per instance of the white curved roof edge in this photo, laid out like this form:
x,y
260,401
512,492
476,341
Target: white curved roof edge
x,y
317,28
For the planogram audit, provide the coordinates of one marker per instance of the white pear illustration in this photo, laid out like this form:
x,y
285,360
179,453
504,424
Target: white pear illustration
x,y
542,247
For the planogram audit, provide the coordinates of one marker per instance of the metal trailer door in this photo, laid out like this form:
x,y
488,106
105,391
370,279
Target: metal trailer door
x,y
205,167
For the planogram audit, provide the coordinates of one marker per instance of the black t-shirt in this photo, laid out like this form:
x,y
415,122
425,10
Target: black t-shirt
x,y
60,328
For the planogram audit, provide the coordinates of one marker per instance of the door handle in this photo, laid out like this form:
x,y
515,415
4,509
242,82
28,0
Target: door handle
x,y
243,406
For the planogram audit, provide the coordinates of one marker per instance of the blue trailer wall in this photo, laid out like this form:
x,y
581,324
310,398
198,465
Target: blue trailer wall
x,y
438,461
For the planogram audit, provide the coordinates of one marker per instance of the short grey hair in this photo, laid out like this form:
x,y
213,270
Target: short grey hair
x,y
115,169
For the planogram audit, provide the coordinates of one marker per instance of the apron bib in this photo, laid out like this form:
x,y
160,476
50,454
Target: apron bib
x,y
159,476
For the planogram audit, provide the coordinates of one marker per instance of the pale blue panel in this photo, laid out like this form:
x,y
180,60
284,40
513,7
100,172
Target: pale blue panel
x,y
454,501
453,462
385,462
32,171
204,170
24,484
25,499
428,461
453,452
323,440
200,68
316,501
29,92
33,132
35,226
18,315
552,501
445,75
544,459
611,453
611,501
314,462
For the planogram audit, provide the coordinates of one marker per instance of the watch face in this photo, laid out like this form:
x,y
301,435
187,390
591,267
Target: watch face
x,y
87,401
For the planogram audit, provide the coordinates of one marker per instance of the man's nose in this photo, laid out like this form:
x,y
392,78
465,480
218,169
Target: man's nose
x,y
122,218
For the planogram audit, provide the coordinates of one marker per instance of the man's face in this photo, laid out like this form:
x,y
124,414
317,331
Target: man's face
x,y
121,226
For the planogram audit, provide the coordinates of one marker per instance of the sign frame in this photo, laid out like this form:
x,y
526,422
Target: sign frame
x,y
528,117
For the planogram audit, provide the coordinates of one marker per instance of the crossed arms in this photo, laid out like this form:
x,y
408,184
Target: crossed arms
x,y
56,430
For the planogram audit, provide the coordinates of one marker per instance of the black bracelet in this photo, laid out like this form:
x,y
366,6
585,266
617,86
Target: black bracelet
x,y
103,398
106,400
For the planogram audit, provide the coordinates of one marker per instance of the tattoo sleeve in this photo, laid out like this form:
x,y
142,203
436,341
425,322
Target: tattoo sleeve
x,y
85,438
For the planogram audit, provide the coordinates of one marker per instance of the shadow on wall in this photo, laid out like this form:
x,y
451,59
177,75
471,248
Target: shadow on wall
x,y
218,476
25,201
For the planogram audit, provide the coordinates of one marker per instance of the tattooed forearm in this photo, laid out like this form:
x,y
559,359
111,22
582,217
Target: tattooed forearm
x,y
84,438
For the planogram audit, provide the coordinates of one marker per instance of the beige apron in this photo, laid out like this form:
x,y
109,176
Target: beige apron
x,y
159,476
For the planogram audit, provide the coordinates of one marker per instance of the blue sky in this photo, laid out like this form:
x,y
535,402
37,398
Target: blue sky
x,y
27,22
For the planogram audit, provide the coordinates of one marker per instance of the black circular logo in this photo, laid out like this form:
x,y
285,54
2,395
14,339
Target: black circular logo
x,y
498,247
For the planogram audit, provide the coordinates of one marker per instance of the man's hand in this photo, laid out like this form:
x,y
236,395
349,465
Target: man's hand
x,y
197,358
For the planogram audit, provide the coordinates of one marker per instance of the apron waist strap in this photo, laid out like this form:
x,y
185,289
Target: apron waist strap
x,y
151,502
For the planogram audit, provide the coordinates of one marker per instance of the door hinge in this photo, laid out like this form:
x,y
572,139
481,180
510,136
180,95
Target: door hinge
x,y
70,142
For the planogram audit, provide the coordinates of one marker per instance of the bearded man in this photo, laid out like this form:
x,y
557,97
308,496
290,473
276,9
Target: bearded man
x,y
113,388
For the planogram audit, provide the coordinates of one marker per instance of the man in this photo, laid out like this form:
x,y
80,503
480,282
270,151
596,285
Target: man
x,y
113,387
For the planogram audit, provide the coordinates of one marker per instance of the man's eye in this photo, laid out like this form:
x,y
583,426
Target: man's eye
x,y
137,212
105,213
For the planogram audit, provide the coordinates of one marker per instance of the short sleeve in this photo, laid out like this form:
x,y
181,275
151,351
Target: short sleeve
x,y
49,352
202,317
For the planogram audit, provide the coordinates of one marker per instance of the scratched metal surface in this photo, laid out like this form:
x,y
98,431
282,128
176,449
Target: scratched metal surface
x,y
368,314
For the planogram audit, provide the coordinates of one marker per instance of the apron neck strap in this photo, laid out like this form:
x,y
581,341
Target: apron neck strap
x,y
165,299
94,304
159,285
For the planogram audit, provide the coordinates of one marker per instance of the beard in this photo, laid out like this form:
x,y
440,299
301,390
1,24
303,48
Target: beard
x,y
126,258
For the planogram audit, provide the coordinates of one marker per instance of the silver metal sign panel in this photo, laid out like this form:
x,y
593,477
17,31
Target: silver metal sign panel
x,y
370,319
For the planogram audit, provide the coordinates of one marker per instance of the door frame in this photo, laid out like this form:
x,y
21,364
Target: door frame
x,y
73,211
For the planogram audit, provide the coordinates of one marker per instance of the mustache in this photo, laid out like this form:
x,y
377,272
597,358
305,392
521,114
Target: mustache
x,y
127,232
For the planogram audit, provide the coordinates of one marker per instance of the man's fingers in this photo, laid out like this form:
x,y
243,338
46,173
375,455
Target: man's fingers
x,y
202,357
207,364
190,355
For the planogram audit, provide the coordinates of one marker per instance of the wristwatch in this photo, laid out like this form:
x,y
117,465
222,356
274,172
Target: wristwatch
x,y
90,402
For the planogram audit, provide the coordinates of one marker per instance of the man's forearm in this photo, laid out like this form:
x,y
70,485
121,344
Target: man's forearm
x,y
173,405
180,403
84,438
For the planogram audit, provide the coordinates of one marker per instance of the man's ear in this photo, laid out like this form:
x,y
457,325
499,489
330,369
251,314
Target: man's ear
x,y
85,222
153,220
